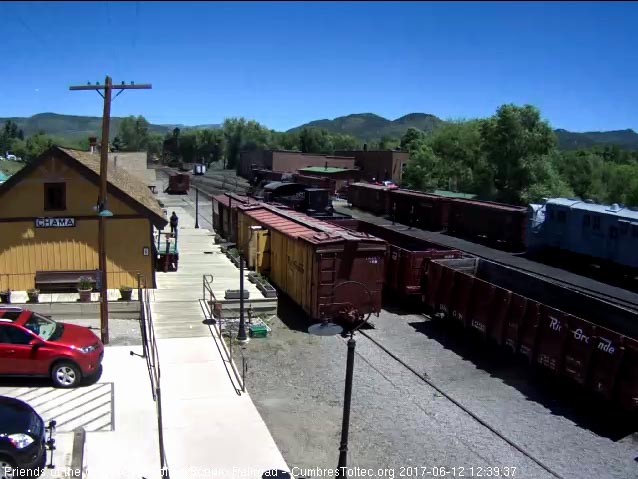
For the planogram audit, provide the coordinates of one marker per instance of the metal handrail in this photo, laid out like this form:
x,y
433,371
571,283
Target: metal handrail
x,y
216,321
151,355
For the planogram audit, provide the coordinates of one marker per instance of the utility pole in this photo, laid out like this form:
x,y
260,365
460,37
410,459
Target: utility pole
x,y
103,212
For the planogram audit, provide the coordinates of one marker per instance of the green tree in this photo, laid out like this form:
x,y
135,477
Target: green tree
x,y
288,140
513,140
342,141
188,147
210,145
412,139
32,147
418,174
9,133
315,140
387,143
134,133
240,134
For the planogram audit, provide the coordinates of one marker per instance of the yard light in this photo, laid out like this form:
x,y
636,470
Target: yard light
x,y
352,321
241,333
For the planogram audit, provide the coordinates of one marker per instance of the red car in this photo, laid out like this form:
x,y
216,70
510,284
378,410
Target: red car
x,y
34,345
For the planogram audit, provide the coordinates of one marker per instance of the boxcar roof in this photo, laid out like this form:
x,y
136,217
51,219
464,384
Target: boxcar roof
x,y
416,194
299,225
223,199
491,204
371,186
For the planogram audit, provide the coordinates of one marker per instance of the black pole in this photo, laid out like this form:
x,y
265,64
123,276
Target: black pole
x,y
345,425
196,208
241,334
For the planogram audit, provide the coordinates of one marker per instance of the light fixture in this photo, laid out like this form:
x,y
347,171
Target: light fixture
x,y
105,213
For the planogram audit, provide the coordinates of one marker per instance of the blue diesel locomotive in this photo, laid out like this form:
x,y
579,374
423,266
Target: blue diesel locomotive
x,y
608,233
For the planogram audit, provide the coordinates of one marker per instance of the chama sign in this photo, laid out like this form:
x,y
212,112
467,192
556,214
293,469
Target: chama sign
x,y
54,222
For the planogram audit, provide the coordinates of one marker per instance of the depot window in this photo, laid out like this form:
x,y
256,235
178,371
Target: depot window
x,y
54,196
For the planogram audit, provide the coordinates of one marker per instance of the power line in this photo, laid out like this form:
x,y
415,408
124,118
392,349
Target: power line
x,y
107,87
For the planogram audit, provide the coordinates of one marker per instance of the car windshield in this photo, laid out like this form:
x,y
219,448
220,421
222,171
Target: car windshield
x,y
46,328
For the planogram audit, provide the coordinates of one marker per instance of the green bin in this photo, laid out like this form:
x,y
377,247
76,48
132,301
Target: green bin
x,y
258,331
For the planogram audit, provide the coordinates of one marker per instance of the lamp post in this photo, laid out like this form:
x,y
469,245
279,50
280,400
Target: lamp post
x,y
196,208
353,322
241,333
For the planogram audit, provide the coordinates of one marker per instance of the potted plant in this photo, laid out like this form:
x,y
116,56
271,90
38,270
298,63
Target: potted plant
x,y
5,296
126,292
266,288
253,277
85,286
33,295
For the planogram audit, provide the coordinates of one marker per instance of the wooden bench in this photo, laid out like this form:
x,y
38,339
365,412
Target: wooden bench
x,y
63,281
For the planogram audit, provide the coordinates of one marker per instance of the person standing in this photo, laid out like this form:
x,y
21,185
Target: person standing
x,y
174,220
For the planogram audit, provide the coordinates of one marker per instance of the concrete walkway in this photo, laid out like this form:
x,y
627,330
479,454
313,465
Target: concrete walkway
x,y
209,430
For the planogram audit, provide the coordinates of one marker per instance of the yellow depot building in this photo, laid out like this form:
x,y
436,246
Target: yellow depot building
x,y
48,221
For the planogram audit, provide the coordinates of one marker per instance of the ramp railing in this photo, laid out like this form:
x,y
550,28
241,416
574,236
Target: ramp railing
x,y
223,331
151,355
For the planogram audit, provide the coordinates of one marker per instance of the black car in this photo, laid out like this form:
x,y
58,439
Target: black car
x,y
23,442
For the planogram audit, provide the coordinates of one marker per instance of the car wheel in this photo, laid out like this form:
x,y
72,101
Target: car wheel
x,y
65,374
6,468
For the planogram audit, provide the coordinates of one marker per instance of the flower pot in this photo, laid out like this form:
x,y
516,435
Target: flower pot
x,y
33,295
267,289
126,294
252,277
5,297
234,294
85,295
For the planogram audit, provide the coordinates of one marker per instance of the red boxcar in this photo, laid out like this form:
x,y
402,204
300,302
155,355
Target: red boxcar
x,y
368,197
420,210
495,222
581,337
178,183
406,256
225,214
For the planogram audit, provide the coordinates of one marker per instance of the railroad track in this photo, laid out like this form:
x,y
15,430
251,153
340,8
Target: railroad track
x,y
610,298
525,452
571,286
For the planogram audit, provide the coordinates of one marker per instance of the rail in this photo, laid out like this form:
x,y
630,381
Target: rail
x,y
151,355
414,232
220,327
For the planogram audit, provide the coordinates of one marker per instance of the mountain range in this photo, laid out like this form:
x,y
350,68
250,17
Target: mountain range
x,y
76,127
365,126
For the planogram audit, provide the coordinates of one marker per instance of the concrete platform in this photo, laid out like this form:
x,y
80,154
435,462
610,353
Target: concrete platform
x,y
210,430
67,305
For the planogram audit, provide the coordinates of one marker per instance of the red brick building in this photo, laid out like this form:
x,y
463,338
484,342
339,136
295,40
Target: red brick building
x,y
379,164
287,161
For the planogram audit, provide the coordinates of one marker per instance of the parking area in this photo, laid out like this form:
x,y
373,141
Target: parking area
x,y
116,409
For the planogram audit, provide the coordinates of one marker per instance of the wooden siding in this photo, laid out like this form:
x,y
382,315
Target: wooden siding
x,y
26,198
25,249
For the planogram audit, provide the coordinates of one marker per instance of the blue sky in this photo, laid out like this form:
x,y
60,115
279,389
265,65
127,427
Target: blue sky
x,y
286,63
